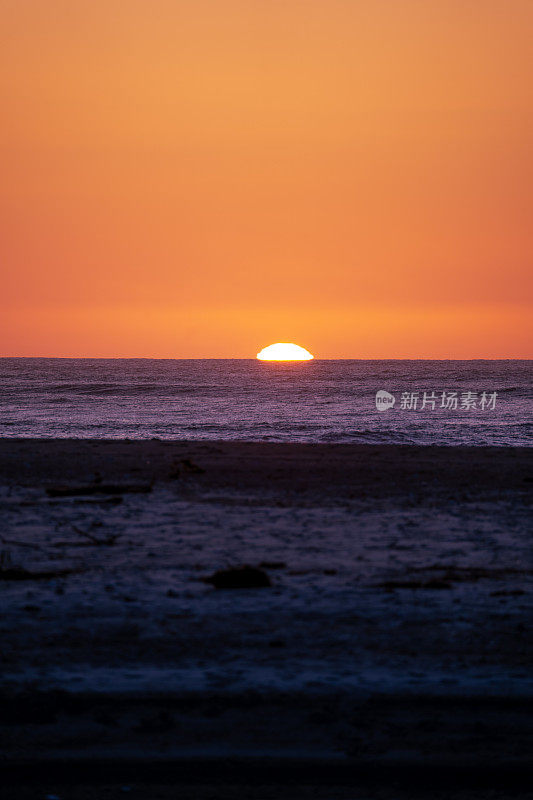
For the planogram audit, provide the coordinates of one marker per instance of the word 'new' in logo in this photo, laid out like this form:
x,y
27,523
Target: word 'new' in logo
x,y
384,400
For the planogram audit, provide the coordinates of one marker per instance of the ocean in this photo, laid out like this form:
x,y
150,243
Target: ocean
x,y
435,402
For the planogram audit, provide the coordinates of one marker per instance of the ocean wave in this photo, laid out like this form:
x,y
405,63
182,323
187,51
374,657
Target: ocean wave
x,y
330,401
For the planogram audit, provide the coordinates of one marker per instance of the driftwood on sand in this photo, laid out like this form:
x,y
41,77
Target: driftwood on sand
x,y
98,488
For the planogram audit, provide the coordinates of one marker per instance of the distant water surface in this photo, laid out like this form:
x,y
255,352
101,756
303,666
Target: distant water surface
x,y
314,401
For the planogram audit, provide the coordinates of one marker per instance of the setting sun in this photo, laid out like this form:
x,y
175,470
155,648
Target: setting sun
x,y
284,351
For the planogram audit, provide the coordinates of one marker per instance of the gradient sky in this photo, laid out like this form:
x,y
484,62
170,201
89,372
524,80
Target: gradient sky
x,y
203,178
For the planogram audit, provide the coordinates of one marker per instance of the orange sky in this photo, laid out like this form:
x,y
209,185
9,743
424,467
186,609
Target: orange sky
x,y
203,178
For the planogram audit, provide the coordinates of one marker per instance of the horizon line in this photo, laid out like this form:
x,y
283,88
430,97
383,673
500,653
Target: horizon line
x,y
254,358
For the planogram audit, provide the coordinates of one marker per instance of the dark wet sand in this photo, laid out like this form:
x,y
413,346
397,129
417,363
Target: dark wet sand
x,y
342,470
392,745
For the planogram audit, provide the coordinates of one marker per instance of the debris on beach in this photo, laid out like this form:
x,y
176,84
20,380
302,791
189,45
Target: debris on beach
x,y
9,571
191,467
98,488
431,584
443,576
108,540
21,574
457,574
113,501
244,577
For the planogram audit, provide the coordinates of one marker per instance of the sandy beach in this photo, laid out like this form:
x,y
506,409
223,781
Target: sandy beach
x,y
391,648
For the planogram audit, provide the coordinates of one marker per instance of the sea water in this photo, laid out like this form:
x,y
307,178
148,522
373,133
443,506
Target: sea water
x,y
435,402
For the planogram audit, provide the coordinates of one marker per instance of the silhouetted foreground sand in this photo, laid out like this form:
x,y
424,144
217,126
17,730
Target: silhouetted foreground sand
x,y
263,779
388,653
